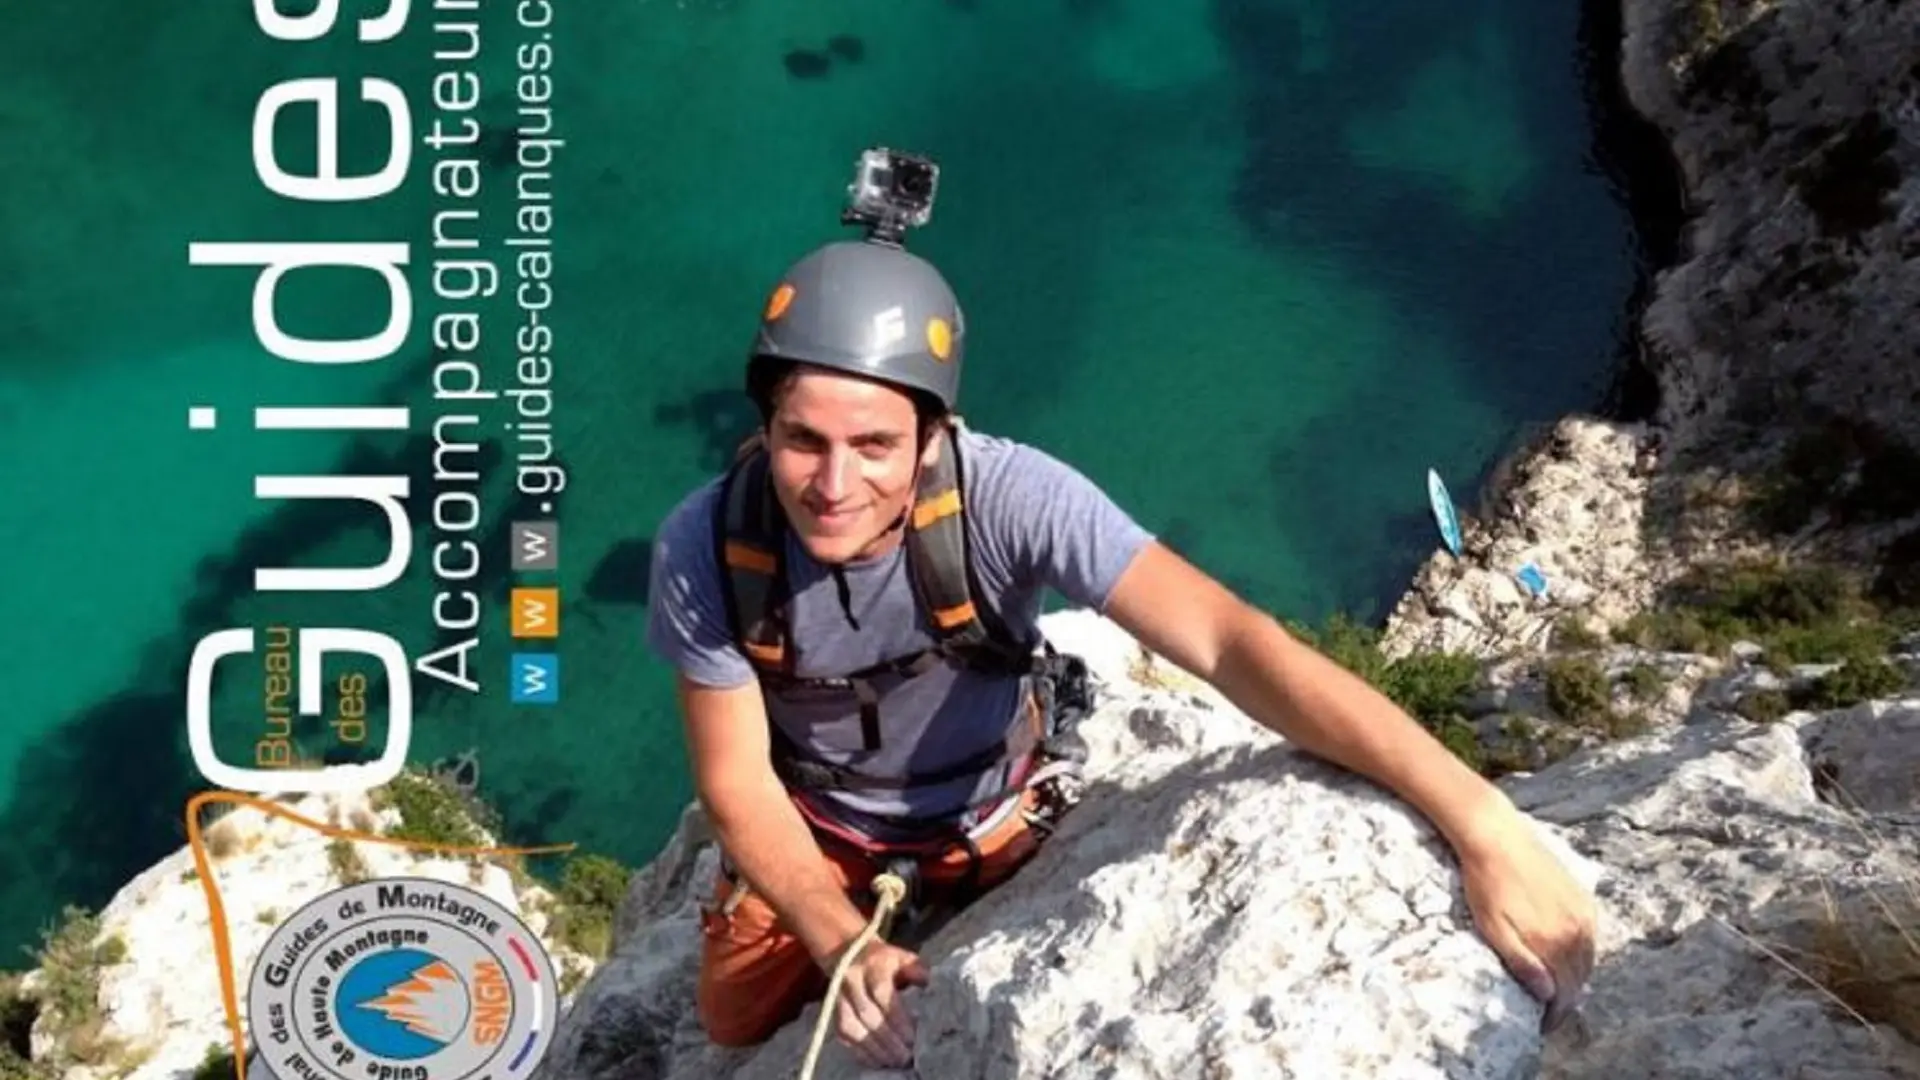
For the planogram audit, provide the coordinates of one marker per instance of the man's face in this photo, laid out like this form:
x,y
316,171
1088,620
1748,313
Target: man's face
x,y
842,458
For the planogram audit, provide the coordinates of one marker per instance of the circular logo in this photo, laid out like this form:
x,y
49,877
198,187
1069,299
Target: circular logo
x,y
402,979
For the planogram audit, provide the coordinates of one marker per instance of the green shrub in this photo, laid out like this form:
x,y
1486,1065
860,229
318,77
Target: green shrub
x,y
1459,737
70,958
1798,614
1646,682
1858,679
1513,751
1831,642
69,965
16,1066
1432,687
594,880
1347,643
1764,706
1577,689
1574,633
592,888
1668,631
215,1064
1626,725
343,858
432,811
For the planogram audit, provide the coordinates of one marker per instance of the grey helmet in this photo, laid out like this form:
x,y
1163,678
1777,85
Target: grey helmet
x,y
869,308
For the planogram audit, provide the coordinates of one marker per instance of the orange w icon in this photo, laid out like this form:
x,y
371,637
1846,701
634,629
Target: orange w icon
x,y
535,613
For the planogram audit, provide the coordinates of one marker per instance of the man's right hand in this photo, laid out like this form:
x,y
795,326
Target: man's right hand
x,y
871,1018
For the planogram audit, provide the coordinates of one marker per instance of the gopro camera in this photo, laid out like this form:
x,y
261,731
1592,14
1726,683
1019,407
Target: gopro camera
x,y
892,192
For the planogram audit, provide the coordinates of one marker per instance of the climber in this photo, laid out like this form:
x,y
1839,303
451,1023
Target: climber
x,y
851,609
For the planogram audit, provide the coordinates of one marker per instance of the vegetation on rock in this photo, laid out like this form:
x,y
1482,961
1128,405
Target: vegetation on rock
x,y
1847,470
591,890
433,811
345,861
436,811
65,1003
217,1064
1798,614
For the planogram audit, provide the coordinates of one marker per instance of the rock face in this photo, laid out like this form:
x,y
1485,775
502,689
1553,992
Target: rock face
x,y
1573,508
1219,906
1724,866
1796,127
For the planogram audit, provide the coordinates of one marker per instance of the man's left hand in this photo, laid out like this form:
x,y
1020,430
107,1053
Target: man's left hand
x,y
1533,913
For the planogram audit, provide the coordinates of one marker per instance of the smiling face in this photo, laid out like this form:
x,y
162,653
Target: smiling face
x,y
842,454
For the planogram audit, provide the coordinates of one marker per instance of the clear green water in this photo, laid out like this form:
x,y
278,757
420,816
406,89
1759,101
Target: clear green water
x,y
1254,266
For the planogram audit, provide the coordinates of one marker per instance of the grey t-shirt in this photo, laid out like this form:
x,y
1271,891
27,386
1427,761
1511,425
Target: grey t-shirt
x,y
1033,523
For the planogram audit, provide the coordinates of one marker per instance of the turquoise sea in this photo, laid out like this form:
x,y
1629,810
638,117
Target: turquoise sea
x,y
1254,265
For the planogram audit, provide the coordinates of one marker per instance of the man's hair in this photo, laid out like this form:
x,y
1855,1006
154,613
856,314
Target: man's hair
x,y
769,381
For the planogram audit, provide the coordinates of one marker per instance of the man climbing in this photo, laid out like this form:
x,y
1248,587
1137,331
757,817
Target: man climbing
x,y
851,610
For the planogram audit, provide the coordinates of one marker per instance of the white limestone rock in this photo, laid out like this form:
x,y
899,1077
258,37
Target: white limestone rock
x,y
1869,756
1722,858
1220,907
1572,507
1217,906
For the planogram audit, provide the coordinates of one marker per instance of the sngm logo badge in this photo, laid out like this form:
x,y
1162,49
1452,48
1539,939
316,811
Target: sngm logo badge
x,y
402,979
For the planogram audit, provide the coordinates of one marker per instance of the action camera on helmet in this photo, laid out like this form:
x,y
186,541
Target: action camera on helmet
x,y
892,191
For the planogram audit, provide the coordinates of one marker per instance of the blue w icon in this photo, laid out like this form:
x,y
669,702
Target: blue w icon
x,y
535,678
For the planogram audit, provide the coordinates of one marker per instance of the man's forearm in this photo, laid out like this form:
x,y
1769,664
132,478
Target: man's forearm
x,y
770,844
1332,713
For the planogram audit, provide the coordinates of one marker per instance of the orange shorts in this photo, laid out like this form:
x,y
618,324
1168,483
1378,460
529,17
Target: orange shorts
x,y
756,976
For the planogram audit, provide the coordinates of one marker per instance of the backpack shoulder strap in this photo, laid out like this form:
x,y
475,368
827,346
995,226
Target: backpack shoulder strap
x,y
943,575
750,532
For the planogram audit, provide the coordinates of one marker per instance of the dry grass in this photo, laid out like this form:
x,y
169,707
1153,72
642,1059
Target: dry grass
x,y
1869,959
343,858
1860,949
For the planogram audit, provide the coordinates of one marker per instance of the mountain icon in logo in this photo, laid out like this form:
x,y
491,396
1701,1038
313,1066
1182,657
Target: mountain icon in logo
x,y
404,1004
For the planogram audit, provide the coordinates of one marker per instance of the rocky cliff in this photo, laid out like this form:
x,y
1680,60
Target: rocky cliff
x,y
1220,906
1788,378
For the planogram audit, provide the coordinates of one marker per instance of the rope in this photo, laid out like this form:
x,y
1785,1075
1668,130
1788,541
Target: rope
x,y
892,890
